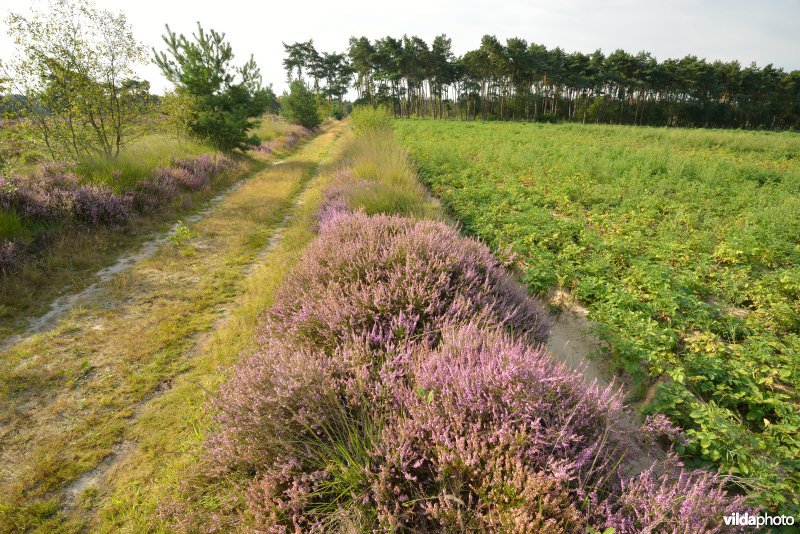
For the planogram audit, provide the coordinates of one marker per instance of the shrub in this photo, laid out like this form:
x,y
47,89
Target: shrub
x,y
693,500
96,205
366,118
299,106
154,193
391,278
496,436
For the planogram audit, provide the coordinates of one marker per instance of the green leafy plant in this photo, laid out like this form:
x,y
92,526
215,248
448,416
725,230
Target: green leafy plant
x,y
181,235
225,100
300,106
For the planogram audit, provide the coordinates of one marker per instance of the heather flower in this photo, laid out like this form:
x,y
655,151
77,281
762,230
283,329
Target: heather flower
x,y
9,257
95,205
677,501
155,193
658,427
389,279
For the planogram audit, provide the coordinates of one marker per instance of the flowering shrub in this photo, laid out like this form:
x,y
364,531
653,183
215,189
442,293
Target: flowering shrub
x,y
390,279
42,197
95,205
675,501
399,384
156,192
196,174
8,256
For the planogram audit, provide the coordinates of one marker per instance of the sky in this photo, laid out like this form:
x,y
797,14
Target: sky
x,y
748,31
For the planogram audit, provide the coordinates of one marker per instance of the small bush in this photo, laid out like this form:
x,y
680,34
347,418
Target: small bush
x,y
652,502
299,106
153,194
365,118
95,205
391,278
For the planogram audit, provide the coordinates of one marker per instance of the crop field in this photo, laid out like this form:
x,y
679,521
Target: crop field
x,y
683,245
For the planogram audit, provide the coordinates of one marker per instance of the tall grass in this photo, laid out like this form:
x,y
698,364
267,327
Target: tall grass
x,y
377,176
138,161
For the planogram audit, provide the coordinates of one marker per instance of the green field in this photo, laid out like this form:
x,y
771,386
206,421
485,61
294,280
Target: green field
x,y
684,245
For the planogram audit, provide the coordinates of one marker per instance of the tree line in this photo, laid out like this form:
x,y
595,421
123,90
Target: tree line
x,y
517,80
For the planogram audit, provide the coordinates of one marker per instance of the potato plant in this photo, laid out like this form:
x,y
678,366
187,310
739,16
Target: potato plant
x,y
685,247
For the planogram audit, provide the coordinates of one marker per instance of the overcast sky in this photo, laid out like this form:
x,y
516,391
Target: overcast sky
x,y
747,30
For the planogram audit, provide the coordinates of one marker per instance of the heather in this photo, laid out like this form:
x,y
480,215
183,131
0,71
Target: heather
x,y
400,384
55,195
388,278
291,135
682,245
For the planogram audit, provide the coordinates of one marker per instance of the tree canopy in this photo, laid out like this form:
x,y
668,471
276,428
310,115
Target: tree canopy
x,y
528,81
227,99
73,79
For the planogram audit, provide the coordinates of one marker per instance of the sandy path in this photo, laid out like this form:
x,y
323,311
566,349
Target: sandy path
x,y
72,386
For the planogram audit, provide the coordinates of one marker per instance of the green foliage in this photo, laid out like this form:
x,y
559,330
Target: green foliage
x,y
685,247
181,236
225,99
300,106
380,179
74,74
179,111
11,226
366,118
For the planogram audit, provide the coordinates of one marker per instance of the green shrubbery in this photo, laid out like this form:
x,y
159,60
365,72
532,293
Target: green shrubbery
x,y
300,106
365,118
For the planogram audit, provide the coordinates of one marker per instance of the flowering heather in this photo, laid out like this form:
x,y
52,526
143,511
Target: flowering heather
x,y
295,134
9,256
196,174
677,501
41,197
399,384
96,205
391,278
154,193
335,198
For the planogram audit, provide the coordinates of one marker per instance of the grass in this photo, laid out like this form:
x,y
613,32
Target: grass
x,y
70,256
133,365
685,247
377,175
171,429
272,127
138,160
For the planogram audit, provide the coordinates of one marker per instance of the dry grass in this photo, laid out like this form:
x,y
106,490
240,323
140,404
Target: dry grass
x,y
71,256
131,366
